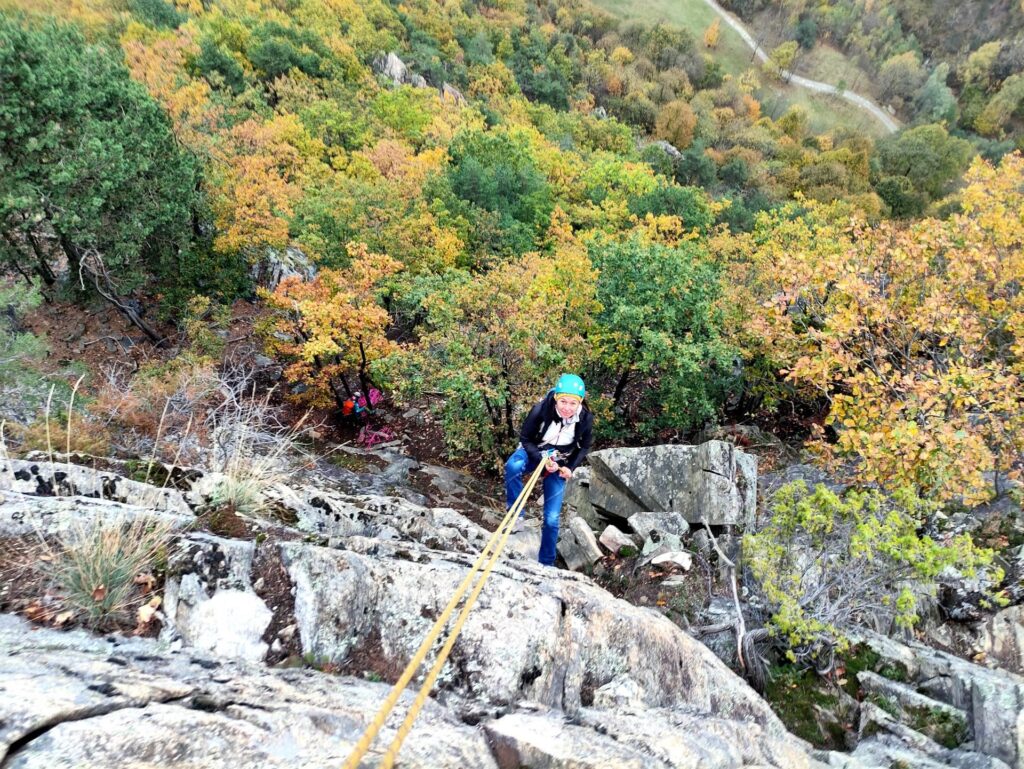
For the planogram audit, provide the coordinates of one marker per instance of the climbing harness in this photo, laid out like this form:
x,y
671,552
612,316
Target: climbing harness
x,y
497,541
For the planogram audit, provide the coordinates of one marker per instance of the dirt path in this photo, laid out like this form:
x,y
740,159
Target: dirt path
x,y
814,85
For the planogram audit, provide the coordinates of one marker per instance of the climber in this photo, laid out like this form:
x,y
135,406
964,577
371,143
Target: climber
x,y
560,423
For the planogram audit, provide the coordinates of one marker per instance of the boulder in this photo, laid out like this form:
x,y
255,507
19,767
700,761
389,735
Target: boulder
x,y
578,546
713,481
576,501
674,557
230,624
769,483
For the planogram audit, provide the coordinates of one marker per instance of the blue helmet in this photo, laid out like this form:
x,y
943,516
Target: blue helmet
x,y
570,384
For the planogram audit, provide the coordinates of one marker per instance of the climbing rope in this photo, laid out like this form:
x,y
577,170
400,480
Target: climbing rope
x,y
497,541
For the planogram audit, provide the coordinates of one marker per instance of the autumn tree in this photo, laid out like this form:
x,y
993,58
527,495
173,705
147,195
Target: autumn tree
x,y
712,33
996,115
909,333
331,327
780,60
492,343
675,124
258,182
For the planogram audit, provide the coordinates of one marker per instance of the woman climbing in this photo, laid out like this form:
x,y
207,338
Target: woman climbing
x,y
560,423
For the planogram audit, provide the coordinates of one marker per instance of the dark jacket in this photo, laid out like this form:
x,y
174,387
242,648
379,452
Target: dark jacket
x,y
537,422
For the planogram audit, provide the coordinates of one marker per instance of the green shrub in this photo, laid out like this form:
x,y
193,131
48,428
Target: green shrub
x,y
823,561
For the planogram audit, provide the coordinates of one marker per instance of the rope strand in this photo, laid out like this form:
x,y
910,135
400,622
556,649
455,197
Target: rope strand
x,y
499,538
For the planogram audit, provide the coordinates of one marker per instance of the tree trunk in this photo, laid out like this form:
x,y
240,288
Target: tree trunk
x,y
508,418
42,266
14,259
104,286
620,388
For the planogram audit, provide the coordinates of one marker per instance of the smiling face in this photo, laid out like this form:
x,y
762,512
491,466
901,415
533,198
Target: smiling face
x,y
566,405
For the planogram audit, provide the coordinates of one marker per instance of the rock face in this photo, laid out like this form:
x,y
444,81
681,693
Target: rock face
x,y
550,669
1002,638
535,634
713,481
69,700
275,265
392,67
544,652
948,712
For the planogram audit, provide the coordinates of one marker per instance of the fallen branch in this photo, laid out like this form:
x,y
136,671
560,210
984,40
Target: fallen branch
x,y
92,265
713,629
741,625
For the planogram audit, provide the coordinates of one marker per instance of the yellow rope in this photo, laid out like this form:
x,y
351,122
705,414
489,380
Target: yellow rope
x,y
501,533
442,657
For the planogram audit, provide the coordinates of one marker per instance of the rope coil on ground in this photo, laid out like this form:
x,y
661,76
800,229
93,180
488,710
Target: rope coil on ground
x,y
497,541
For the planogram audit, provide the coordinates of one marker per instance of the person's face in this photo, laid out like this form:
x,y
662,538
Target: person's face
x,y
566,406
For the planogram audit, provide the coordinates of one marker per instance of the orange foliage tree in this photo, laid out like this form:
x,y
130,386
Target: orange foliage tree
x,y
331,326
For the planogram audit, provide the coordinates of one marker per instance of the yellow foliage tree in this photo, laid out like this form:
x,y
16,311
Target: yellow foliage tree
x,y
913,334
675,124
712,33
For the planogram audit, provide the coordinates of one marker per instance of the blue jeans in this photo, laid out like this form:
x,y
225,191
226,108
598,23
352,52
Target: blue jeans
x,y
554,488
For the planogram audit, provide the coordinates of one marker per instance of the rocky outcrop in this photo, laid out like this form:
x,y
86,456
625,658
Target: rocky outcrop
x,y
943,709
26,515
453,94
60,479
654,739
1001,638
553,670
72,700
274,265
535,634
392,67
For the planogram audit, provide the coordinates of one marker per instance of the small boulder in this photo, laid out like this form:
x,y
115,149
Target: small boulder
x,y
614,540
231,624
653,530
675,557
621,692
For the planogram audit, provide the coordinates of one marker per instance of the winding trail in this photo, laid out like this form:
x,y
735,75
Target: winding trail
x,y
814,85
